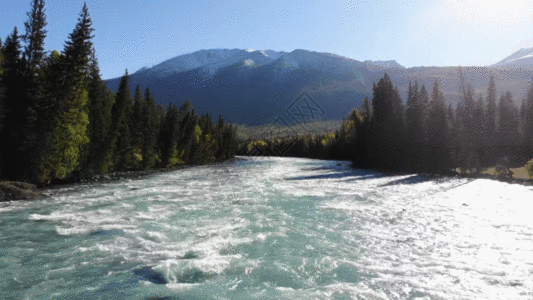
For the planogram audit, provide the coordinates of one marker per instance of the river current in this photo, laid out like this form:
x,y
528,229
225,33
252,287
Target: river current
x,y
271,228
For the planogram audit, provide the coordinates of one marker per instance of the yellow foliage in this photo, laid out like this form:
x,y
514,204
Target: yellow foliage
x,y
529,169
256,143
328,139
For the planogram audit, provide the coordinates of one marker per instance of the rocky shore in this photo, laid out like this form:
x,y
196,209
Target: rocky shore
x,y
13,190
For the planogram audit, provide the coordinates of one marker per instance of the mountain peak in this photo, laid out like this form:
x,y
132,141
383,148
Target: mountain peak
x,y
522,57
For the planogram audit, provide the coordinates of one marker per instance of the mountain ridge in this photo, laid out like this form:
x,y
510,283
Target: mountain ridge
x,y
254,86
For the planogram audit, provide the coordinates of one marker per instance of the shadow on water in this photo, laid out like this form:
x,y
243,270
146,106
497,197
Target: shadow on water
x,y
414,179
150,275
355,174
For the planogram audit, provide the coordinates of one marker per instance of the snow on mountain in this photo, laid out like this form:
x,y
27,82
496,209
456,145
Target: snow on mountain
x,y
383,64
211,60
522,57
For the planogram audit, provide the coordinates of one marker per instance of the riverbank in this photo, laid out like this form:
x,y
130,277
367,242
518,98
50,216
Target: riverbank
x,y
451,174
11,190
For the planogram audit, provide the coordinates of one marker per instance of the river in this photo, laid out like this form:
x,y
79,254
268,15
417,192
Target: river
x,y
271,228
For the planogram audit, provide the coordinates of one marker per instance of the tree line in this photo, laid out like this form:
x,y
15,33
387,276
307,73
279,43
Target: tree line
x,y
424,134
58,120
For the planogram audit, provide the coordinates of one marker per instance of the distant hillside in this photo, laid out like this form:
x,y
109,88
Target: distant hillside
x,y
254,87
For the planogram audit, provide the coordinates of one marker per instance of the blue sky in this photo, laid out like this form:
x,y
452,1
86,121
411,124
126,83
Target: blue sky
x,y
133,34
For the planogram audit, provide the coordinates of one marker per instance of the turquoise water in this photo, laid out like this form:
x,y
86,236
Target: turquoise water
x,y
271,228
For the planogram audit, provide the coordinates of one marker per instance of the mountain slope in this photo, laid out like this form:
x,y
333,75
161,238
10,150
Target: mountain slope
x,y
254,87
521,58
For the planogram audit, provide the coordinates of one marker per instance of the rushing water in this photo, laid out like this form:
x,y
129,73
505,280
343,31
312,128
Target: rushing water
x,y
271,228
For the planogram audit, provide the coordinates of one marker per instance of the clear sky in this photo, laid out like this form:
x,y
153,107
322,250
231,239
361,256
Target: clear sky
x,y
132,34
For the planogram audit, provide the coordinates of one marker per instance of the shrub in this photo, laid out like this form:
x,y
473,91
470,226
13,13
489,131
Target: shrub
x,y
529,168
503,172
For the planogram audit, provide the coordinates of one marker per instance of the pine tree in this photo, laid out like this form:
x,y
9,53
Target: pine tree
x,y
149,122
70,135
389,149
168,141
528,124
96,155
79,47
34,97
489,136
438,132
35,34
123,149
12,135
2,113
508,133
135,117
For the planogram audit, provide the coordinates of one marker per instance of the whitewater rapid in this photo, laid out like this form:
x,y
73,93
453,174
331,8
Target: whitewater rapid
x,y
271,228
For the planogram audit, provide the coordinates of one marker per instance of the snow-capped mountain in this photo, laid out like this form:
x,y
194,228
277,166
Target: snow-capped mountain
x,y
212,60
383,64
253,86
521,58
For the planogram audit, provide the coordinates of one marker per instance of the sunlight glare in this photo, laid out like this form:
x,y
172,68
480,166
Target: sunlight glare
x,y
489,14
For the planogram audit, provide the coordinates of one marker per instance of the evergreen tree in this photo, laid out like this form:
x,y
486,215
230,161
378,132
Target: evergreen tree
x,y
489,135
528,123
97,153
149,122
438,132
35,34
79,47
2,113
467,131
123,150
135,117
508,133
168,141
12,135
70,134
33,98
388,141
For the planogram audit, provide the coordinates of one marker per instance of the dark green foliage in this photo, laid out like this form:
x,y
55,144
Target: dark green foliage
x,y
59,121
438,133
35,34
388,144
508,134
96,156
489,136
149,121
79,46
167,142
123,156
528,123
15,118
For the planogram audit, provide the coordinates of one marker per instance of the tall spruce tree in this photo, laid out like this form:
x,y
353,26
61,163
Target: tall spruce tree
x,y
34,91
508,132
97,153
134,118
490,122
123,156
528,124
70,134
169,130
413,118
12,81
438,132
149,121
34,53
388,138
2,113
